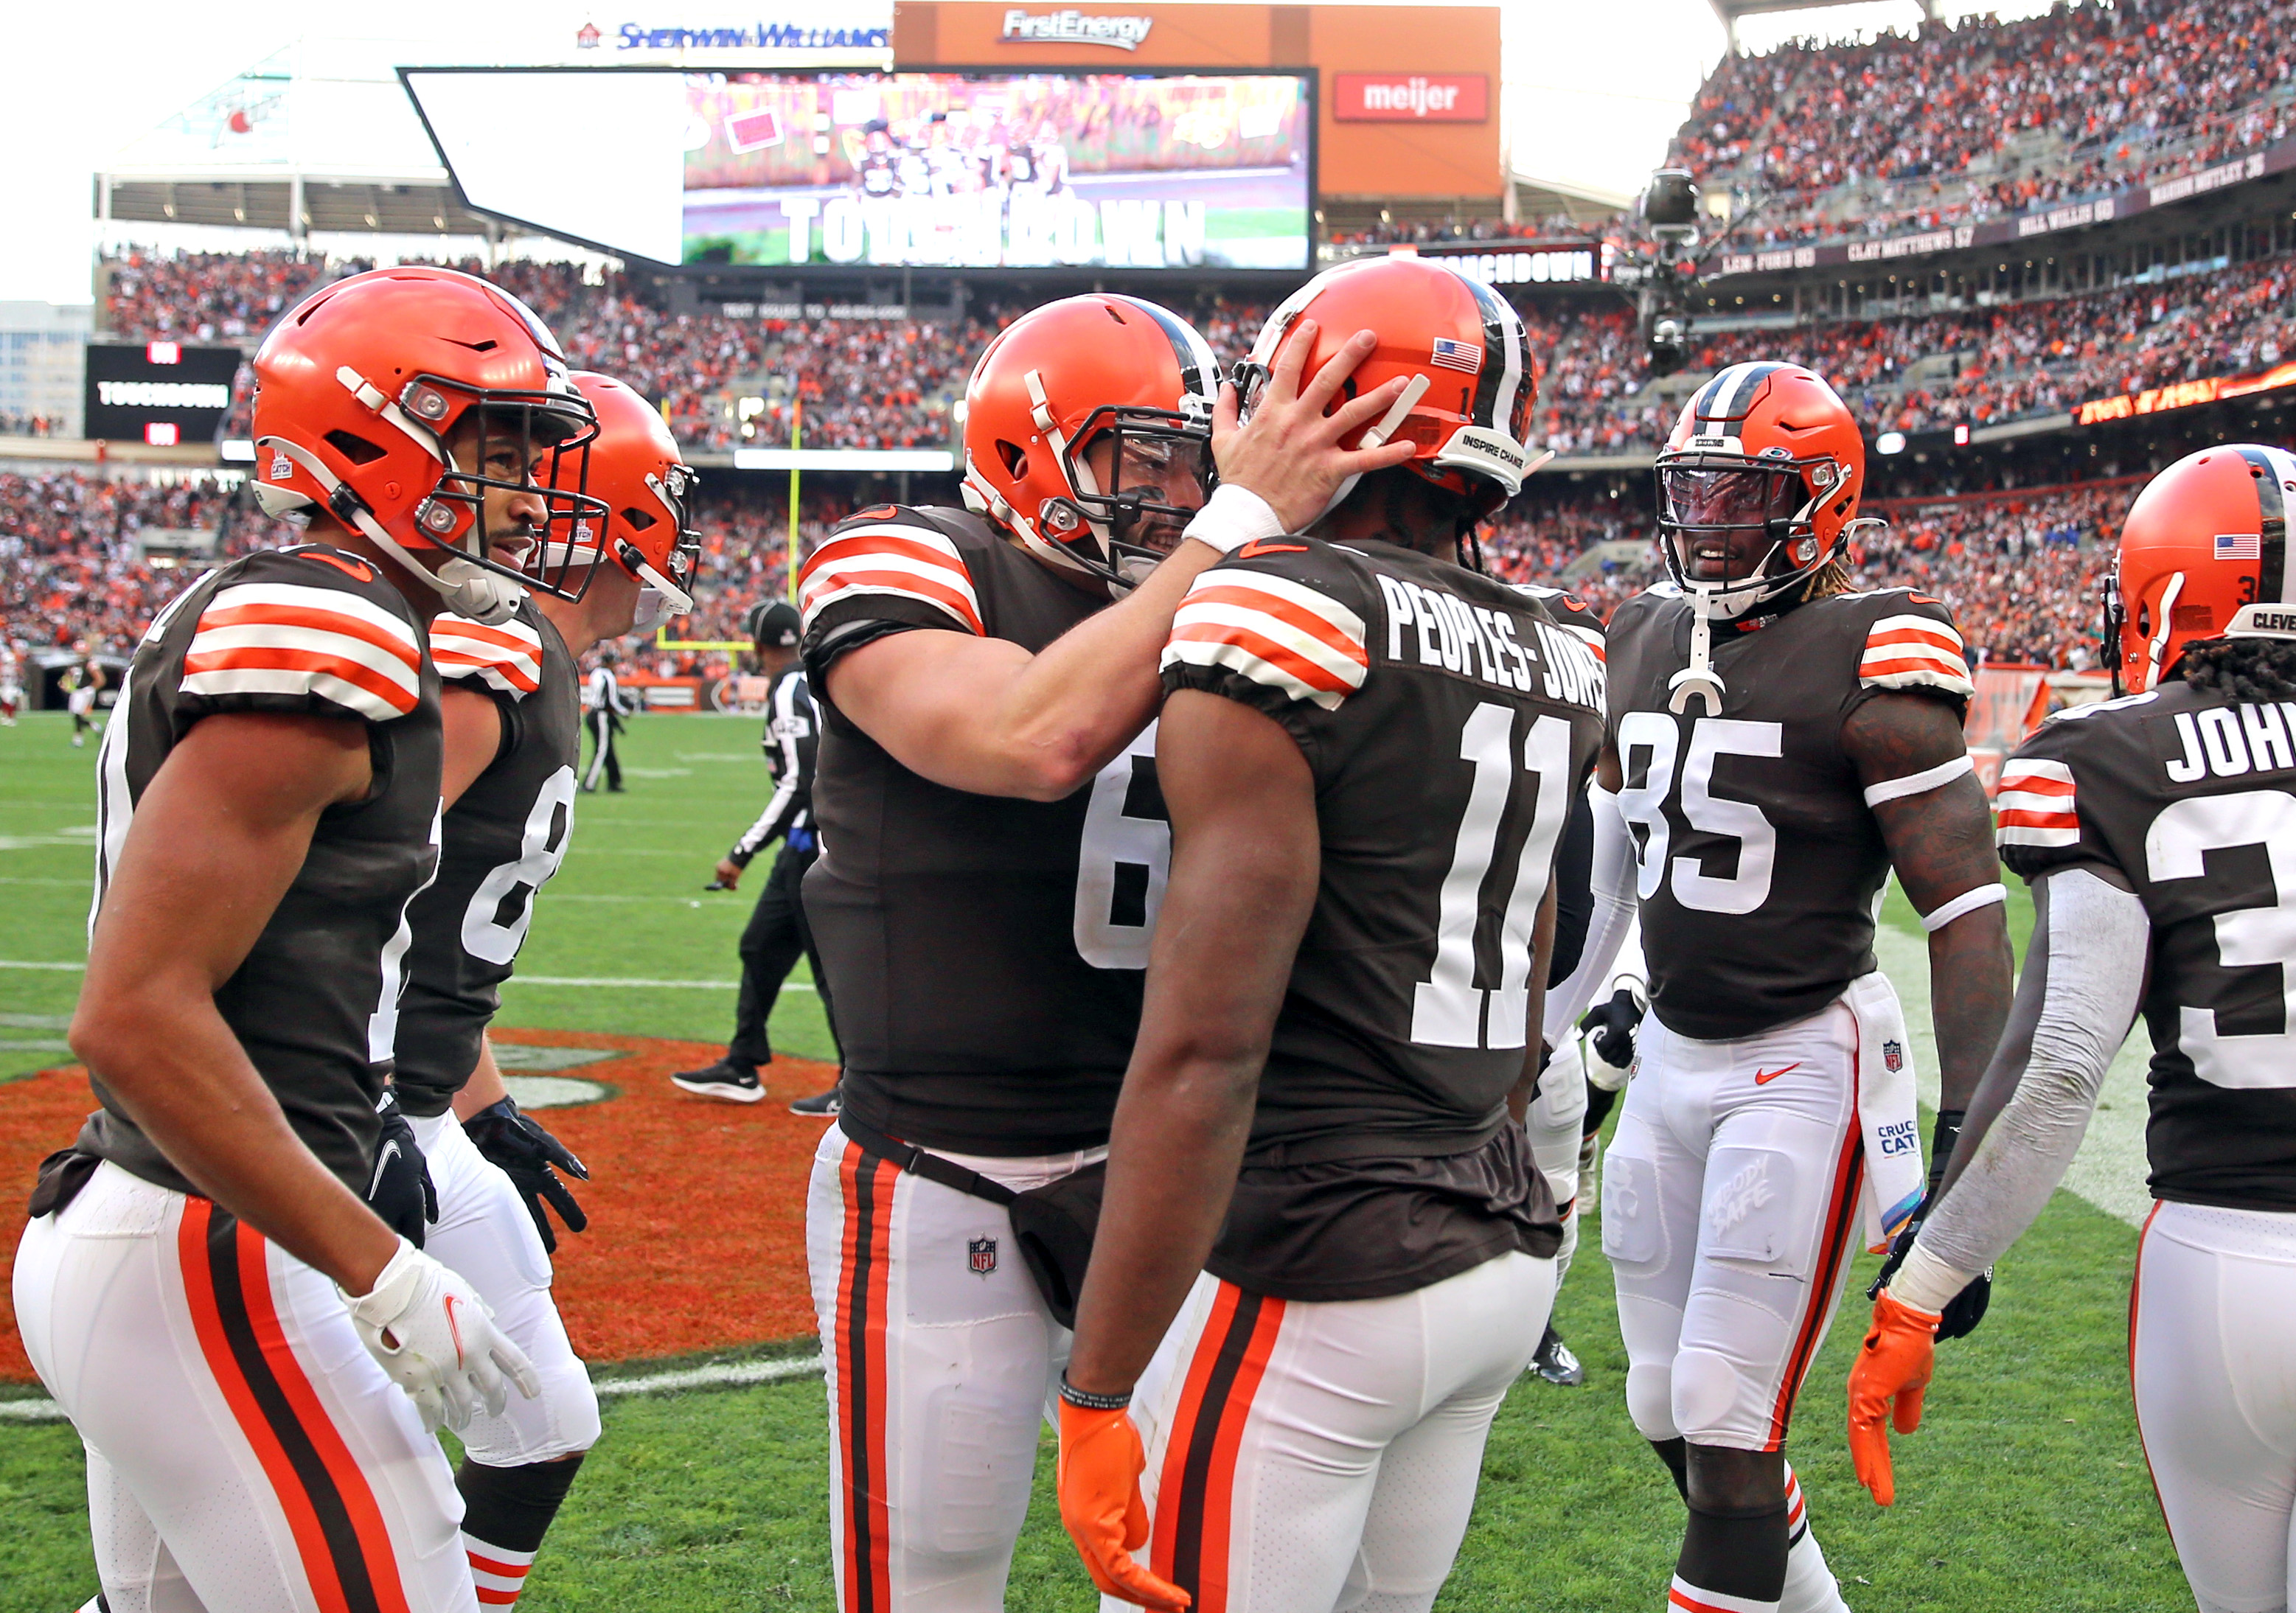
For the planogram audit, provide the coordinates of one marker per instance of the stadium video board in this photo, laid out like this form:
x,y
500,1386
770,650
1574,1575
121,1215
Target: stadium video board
x,y
162,393
869,170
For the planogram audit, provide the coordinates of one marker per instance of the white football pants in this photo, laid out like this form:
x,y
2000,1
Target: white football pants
x,y
1730,1204
1322,1458
942,1361
245,1454
485,1232
2212,1348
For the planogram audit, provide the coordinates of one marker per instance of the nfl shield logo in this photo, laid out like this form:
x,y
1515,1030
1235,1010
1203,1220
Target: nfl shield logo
x,y
1893,1056
981,1254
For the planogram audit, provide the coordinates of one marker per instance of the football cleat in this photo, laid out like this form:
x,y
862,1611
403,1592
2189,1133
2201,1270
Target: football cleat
x,y
726,1080
1554,1361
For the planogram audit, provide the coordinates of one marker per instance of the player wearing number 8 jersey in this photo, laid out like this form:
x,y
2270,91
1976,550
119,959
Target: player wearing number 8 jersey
x,y
993,850
510,708
1776,745
2158,833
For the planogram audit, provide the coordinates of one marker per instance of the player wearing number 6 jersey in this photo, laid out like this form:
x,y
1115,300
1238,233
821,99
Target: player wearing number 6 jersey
x,y
1777,744
1369,753
2158,832
993,851
512,711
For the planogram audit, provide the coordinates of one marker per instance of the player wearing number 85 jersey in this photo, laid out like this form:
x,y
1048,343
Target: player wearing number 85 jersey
x,y
1777,744
992,849
2158,835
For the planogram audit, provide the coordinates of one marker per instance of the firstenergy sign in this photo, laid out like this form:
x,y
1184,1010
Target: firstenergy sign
x,y
1411,98
1075,27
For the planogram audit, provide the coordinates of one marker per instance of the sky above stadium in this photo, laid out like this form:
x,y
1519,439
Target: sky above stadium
x,y
1592,93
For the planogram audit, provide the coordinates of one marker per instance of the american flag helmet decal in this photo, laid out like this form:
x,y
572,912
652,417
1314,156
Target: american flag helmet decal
x,y
1456,355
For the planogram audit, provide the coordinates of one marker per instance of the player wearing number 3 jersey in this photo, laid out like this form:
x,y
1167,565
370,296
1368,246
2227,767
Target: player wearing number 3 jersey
x,y
2158,835
994,848
1777,744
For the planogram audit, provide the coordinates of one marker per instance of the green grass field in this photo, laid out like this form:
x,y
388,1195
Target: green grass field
x,y
2025,1490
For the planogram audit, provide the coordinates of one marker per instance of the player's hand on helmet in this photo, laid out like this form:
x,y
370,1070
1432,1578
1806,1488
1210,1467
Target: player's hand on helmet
x,y
532,1158
1886,1385
1964,1310
1101,1509
438,1340
400,1191
1289,452
1610,1027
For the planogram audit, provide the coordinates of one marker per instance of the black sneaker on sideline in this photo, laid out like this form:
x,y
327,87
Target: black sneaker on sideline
x,y
1554,1361
821,1106
726,1080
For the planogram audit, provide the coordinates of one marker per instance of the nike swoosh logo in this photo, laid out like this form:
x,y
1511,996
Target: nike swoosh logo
x,y
454,1329
1763,1077
357,568
381,1164
1259,546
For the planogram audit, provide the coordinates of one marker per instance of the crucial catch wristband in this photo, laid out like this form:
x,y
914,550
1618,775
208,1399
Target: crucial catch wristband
x,y
1232,516
1085,1400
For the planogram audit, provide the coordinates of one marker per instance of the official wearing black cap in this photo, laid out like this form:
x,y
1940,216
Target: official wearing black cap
x,y
777,931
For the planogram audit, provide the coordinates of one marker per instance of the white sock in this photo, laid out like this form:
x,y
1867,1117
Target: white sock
x,y
499,1573
1811,1586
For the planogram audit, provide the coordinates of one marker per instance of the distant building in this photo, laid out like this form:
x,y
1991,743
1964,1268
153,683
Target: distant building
x,y
43,358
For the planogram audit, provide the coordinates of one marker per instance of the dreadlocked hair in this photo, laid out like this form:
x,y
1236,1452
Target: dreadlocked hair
x,y
2243,668
1831,579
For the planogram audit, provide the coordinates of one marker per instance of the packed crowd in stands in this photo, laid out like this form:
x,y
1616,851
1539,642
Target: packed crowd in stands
x,y
14,423
2022,570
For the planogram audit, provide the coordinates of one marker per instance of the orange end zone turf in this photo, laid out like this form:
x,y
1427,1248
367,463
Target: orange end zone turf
x,y
697,1207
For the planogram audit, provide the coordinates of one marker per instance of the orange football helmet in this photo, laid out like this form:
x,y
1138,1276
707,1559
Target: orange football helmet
x,y
2203,555
359,391
1766,449
1064,377
1459,344
633,469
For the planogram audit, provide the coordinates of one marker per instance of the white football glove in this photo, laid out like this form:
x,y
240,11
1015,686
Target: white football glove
x,y
438,1340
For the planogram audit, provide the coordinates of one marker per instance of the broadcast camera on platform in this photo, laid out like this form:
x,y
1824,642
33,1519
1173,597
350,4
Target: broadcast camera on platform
x,y
1668,208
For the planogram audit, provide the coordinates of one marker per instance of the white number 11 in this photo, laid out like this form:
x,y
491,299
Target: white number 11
x,y
1448,1010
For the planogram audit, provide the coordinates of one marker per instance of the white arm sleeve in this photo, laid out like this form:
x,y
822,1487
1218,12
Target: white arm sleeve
x,y
1613,913
2089,951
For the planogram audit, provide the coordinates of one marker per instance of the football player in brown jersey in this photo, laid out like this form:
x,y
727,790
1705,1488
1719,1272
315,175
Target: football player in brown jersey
x,y
1318,1179
993,851
1778,744
510,704
253,1359
2158,832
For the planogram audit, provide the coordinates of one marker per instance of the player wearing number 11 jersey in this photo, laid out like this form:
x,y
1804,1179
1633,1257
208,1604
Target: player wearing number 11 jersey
x,y
1777,744
2158,833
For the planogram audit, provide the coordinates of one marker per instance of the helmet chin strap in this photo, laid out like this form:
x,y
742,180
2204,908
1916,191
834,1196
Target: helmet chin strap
x,y
465,587
1699,681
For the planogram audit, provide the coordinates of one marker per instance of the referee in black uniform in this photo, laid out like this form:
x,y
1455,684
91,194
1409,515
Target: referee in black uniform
x,y
605,706
777,931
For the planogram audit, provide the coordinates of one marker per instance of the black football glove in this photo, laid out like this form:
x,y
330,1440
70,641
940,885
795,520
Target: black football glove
x,y
400,1191
1967,1309
1610,1028
526,1155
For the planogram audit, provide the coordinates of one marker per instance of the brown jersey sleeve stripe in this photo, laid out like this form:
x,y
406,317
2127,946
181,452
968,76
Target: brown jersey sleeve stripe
x,y
1196,1494
339,1533
866,1263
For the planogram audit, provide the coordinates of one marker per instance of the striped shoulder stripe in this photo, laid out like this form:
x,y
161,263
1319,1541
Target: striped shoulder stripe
x,y
508,657
911,562
284,638
1274,631
2035,805
1905,650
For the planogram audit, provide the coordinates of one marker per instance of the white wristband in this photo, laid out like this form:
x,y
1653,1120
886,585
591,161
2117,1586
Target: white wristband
x,y
1232,516
1926,1282
1967,902
1919,783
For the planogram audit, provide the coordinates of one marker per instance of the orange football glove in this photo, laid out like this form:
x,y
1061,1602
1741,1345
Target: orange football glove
x,y
1891,1374
1101,1509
